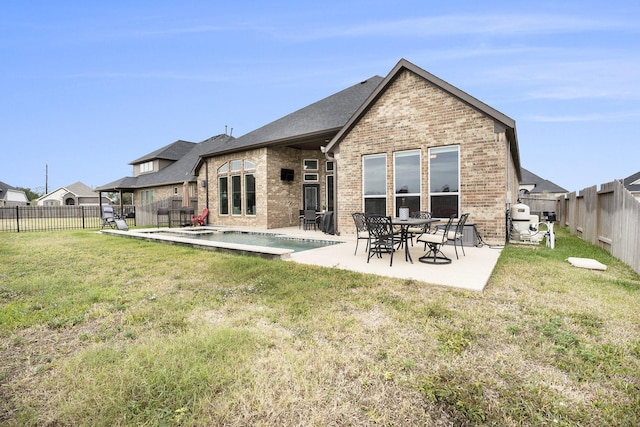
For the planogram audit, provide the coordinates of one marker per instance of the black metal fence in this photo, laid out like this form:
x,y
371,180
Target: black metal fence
x,y
51,218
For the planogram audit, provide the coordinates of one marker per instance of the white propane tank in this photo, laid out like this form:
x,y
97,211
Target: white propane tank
x,y
520,216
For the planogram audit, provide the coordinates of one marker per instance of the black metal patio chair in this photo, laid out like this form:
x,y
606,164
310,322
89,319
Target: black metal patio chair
x,y
382,237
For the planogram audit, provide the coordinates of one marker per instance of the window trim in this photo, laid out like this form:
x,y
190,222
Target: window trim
x,y
397,195
245,193
146,167
311,163
444,148
386,183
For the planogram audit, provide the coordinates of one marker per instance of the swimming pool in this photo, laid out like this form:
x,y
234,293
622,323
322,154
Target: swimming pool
x,y
255,238
267,245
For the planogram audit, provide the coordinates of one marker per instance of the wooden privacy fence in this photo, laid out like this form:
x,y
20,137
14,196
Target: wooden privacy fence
x,y
609,218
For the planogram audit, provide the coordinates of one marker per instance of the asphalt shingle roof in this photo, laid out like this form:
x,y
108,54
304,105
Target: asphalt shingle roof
x,y
173,151
628,182
177,172
541,185
328,114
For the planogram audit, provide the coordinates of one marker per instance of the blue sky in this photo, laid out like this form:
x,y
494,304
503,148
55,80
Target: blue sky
x,y
87,87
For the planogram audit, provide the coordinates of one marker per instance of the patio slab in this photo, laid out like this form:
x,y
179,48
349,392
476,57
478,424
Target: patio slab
x,y
470,272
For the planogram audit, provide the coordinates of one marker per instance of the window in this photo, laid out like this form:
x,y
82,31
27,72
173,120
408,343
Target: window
x,y
146,167
444,179
406,176
237,188
223,189
374,182
310,165
329,192
310,177
329,166
236,165
236,195
147,197
250,193
175,191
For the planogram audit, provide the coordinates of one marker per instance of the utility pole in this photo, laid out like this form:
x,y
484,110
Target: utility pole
x,y
46,178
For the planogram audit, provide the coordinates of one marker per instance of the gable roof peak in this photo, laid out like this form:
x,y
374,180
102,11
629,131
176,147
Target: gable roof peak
x,y
173,151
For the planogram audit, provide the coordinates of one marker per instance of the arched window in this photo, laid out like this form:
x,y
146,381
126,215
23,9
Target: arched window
x,y
235,194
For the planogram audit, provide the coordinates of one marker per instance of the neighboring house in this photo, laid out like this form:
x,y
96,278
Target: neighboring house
x,y
166,174
11,196
407,139
539,194
77,194
632,183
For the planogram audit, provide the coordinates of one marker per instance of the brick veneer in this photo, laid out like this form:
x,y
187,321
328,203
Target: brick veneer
x,y
414,114
277,202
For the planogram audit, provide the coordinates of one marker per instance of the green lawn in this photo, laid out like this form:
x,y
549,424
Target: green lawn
x,y
98,330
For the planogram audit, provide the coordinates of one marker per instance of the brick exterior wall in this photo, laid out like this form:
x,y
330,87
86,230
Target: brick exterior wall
x,y
414,114
277,202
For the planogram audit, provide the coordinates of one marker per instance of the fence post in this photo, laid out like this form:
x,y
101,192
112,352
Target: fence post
x,y
17,218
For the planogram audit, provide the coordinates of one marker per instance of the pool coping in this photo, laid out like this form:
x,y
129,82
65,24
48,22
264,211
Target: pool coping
x,y
236,248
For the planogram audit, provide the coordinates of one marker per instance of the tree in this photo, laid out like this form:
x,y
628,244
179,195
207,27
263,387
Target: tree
x,y
31,194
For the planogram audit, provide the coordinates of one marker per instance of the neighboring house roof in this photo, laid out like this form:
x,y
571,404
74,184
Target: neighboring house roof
x,y
80,189
539,185
308,127
403,65
177,172
632,183
174,151
77,189
9,193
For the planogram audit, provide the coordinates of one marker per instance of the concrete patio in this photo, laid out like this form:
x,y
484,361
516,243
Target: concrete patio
x,y
470,272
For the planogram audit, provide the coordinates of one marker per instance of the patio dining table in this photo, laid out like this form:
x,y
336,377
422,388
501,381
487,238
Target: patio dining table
x,y
404,225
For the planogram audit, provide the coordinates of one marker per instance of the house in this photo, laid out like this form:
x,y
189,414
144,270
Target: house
x,y
538,193
408,139
265,177
632,183
11,196
165,175
76,194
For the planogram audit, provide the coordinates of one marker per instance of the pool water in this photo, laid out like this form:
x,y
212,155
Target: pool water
x,y
257,239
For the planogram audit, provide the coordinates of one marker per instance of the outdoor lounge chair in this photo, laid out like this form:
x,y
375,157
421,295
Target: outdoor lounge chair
x,y
361,229
200,219
435,241
109,219
382,237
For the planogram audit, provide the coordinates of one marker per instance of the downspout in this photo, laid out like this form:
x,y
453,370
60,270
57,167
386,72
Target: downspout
x,y
336,229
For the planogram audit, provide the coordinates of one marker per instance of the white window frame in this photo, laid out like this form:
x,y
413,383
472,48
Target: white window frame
x,y
398,195
432,152
374,196
310,165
